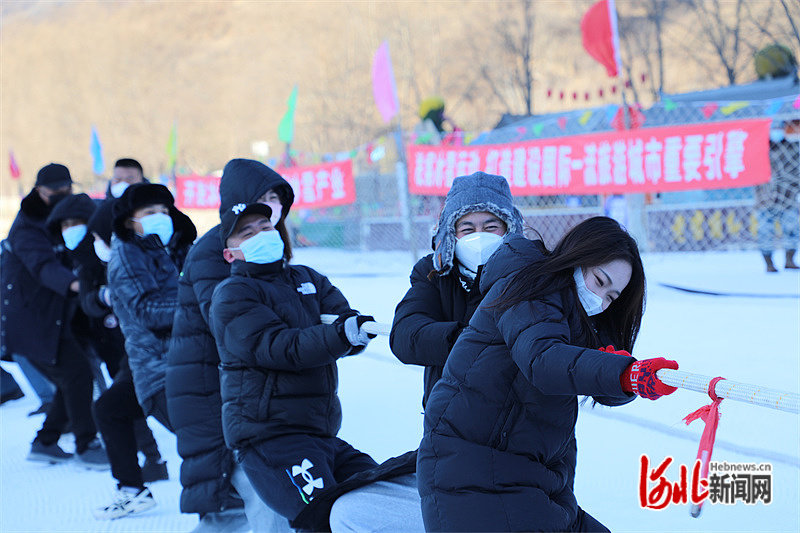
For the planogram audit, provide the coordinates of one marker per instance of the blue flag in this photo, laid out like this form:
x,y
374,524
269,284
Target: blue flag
x,y
97,153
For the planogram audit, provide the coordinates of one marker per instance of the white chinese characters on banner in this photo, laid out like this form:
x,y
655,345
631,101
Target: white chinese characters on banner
x,y
715,155
322,185
200,192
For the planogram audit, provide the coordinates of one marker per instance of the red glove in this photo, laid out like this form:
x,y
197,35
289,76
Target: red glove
x,y
640,378
610,349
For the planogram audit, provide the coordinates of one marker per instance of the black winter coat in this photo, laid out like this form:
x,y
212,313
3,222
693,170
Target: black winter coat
x,y
193,396
143,278
36,301
499,450
278,362
429,319
95,326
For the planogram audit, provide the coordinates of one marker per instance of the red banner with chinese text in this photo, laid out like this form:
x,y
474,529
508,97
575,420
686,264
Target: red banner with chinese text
x,y
323,185
714,155
196,192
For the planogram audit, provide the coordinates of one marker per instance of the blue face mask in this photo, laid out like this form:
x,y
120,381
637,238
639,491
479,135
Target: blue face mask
x,y
592,303
73,236
102,251
262,248
157,224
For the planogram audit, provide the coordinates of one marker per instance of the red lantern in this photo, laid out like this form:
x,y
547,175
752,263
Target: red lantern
x,y
586,96
613,89
561,95
549,93
600,93
574,95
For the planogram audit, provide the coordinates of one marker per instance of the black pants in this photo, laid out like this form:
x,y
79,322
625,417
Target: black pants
x,y
286,471
72,401
124,430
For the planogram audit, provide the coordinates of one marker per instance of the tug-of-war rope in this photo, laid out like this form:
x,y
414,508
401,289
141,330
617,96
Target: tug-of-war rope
x,y
723,388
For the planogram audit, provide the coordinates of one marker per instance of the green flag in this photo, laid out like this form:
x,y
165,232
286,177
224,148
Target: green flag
x,y
172,147
286,128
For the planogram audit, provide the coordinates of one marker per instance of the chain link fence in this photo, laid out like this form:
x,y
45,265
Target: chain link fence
x,y
765,216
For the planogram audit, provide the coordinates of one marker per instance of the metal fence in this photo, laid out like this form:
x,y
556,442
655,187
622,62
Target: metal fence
x,y
743,218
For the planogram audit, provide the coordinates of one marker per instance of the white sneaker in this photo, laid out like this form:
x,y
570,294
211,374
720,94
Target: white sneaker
x,y
127,500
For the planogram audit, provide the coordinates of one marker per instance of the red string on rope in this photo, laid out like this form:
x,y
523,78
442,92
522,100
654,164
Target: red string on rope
x,y
710,415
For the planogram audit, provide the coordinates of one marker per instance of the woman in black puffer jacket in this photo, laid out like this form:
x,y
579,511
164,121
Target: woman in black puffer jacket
x,y
499,450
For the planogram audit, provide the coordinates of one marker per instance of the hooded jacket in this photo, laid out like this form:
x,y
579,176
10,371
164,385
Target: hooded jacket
x,y
35,286
143,278
278,371
192,383
504,412
440,302
94,324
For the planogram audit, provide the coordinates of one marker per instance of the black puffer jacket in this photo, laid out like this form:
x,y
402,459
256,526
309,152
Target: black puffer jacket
x,y
193,393
278,370
36,301
193,398
429,319
503,414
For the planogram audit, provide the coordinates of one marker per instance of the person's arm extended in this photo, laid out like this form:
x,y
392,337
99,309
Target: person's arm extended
x,y
35,251
420,334
253,334
538,336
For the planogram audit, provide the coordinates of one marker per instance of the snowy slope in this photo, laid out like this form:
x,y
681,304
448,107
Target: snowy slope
x,y
754,340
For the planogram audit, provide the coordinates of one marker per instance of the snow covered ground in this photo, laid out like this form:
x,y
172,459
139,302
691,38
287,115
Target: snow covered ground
x,y
749,339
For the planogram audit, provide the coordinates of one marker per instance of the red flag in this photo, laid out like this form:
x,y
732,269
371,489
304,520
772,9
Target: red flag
x,y
600,36
12,165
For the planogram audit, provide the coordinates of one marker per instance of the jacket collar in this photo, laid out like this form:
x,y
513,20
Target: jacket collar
x,y
256,270
34,207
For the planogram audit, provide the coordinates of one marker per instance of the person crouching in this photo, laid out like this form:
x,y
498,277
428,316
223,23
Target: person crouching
x,y
278,374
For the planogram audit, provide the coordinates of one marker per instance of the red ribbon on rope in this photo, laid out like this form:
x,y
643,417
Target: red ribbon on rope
x,y
710,415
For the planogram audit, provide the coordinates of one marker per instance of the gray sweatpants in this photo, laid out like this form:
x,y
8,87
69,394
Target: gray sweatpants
x,y
391,505
261,518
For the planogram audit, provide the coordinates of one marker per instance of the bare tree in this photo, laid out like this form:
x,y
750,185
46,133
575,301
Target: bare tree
x,y
791,15
723,32
510,77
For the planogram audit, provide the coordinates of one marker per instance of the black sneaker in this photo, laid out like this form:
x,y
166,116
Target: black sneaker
x,y
154,470
51,453
94,456
42,410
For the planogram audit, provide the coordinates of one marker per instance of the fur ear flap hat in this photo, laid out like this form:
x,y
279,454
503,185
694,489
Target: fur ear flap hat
x,y
470,194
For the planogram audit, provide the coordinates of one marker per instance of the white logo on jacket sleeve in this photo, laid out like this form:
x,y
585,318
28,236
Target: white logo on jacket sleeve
x,y
307,288
238,208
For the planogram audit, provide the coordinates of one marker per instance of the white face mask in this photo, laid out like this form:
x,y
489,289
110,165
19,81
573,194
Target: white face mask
x,y
118,188
592,303
159,224
262,248
276,212
102,251
73,236
474,250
